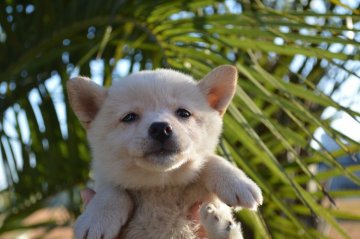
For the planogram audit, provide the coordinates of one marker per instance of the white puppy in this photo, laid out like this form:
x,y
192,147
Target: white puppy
x,y
153,135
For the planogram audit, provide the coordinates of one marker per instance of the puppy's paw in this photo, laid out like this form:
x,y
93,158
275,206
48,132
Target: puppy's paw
x,y
240,191
219,223
96,225
103,219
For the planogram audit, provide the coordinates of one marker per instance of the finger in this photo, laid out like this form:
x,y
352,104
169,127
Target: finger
x,y
194,215
201,233
87,194
194,212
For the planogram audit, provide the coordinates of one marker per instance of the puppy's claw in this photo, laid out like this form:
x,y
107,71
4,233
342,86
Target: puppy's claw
x,y
210,209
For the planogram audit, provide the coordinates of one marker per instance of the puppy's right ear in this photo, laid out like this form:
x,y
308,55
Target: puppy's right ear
x,y
86,98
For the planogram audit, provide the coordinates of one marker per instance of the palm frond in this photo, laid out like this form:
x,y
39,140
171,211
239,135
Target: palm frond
x,y
282,54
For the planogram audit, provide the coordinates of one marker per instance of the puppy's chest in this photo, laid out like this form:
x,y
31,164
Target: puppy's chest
x,y
163,212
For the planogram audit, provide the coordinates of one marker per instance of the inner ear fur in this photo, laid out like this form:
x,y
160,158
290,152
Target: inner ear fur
x,y
86,98
219,87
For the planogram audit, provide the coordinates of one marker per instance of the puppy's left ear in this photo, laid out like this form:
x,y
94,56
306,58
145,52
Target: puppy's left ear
x,y
219,87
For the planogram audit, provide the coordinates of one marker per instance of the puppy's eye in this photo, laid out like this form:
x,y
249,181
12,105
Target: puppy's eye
x,y
183,113
130,118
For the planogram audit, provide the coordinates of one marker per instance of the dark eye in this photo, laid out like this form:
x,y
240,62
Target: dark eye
x,y
183,113
130,118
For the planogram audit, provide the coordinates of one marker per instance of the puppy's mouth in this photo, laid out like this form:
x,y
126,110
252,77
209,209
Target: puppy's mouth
x,y
162,157
162,152
168,148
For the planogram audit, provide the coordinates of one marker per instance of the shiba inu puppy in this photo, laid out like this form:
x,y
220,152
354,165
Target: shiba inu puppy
x,y
153,135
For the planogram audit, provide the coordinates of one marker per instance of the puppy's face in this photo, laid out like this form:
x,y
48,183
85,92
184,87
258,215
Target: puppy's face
x,y
154,127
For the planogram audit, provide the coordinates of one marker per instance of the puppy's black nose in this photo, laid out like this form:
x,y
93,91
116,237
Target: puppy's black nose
x,y
160,131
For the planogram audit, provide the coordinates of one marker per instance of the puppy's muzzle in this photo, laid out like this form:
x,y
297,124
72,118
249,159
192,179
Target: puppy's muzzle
x,y
160,131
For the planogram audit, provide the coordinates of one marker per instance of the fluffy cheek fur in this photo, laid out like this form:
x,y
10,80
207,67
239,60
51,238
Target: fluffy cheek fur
x,y
208,139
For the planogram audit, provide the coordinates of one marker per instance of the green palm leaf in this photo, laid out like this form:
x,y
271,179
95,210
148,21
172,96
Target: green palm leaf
x,y
268,128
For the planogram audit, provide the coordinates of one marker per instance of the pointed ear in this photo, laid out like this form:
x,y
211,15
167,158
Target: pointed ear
x,y
86,98
219,87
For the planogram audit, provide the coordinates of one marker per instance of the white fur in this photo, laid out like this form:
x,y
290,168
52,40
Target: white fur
x,y
217,218
231,185
105,214
163,187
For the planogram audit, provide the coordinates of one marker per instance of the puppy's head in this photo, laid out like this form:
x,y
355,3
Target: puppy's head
x,y
152,128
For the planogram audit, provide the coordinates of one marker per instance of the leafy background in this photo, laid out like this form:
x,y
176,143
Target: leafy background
x,y
292,56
